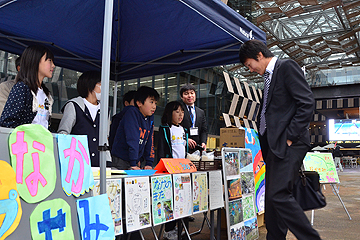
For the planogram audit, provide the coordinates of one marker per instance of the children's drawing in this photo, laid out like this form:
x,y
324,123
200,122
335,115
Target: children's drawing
x,y
182,195
137,200
200,192
113,190
162,199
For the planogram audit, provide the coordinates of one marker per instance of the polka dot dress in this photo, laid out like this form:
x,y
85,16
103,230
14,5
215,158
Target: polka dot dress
x,y
18,107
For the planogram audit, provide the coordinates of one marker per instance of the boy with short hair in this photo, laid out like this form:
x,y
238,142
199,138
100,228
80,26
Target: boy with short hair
x,y
134,136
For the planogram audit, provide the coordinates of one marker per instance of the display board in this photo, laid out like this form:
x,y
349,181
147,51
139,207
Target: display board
x,y
40,150
239,184
322,163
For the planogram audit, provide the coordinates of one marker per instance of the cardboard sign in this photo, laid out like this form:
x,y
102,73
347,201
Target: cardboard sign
x,y
175,165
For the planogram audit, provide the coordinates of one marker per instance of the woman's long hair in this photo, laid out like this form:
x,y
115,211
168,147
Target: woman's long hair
x,y
29,67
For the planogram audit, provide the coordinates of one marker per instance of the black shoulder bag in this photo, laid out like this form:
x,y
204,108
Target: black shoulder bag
x,y
307,191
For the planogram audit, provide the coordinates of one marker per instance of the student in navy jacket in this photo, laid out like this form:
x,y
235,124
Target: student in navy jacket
x,y
82,114
128,100
134,136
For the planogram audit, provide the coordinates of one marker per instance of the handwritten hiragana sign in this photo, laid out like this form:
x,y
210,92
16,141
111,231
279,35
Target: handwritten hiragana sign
x,y
76,174
10,206
322,163
162,199
32,158
51,220
95,218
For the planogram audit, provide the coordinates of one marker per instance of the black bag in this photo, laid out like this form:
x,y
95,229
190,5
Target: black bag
x,y
307,191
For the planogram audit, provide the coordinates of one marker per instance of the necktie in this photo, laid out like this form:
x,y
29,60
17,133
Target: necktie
x,y
262,114
191,116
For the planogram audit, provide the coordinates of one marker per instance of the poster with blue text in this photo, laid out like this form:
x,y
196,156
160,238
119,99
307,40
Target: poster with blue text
x,y
95,218
137,200
76,175
162,199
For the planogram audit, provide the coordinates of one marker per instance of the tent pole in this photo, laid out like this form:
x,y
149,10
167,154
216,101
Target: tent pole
x,y
115,96
105,78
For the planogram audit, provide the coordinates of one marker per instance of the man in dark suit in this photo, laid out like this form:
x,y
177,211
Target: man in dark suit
x,y
283,124
194,118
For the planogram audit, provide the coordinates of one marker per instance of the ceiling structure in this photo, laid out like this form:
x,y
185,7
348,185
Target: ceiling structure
x,y
317,34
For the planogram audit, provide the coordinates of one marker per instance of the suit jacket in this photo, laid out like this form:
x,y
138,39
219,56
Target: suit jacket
x,y
200,123
289,108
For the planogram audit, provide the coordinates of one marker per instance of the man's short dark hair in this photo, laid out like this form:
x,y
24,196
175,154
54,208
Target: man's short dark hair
x,y
143,93
87,82
251,49
17,62
187,87
128,96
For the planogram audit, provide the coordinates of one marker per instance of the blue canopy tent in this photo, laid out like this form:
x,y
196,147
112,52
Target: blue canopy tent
x,y
129,39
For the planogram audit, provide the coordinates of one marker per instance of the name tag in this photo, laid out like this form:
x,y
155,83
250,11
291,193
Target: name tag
x,y
194,131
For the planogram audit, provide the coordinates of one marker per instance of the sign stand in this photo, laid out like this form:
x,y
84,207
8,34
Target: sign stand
x,y
336,192
324,164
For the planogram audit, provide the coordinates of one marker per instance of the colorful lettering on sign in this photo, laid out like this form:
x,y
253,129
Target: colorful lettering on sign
x,y
32,157
51,220
76,174
49,223
95,218
10,205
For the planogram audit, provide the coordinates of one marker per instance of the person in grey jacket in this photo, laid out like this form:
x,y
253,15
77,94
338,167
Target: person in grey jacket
x,y
82,114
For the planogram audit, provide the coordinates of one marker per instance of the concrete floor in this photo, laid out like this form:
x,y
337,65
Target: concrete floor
x,y
331,222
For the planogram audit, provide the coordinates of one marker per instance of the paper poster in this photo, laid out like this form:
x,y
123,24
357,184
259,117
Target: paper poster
x,y
162,199
200,192
51,220
252,142
232,165
95,218
76,174
246,160
10,205
248,207
237,232
113,190
251,229
182,195
234,188
322,163
216,197
236,211
32,157
137,200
